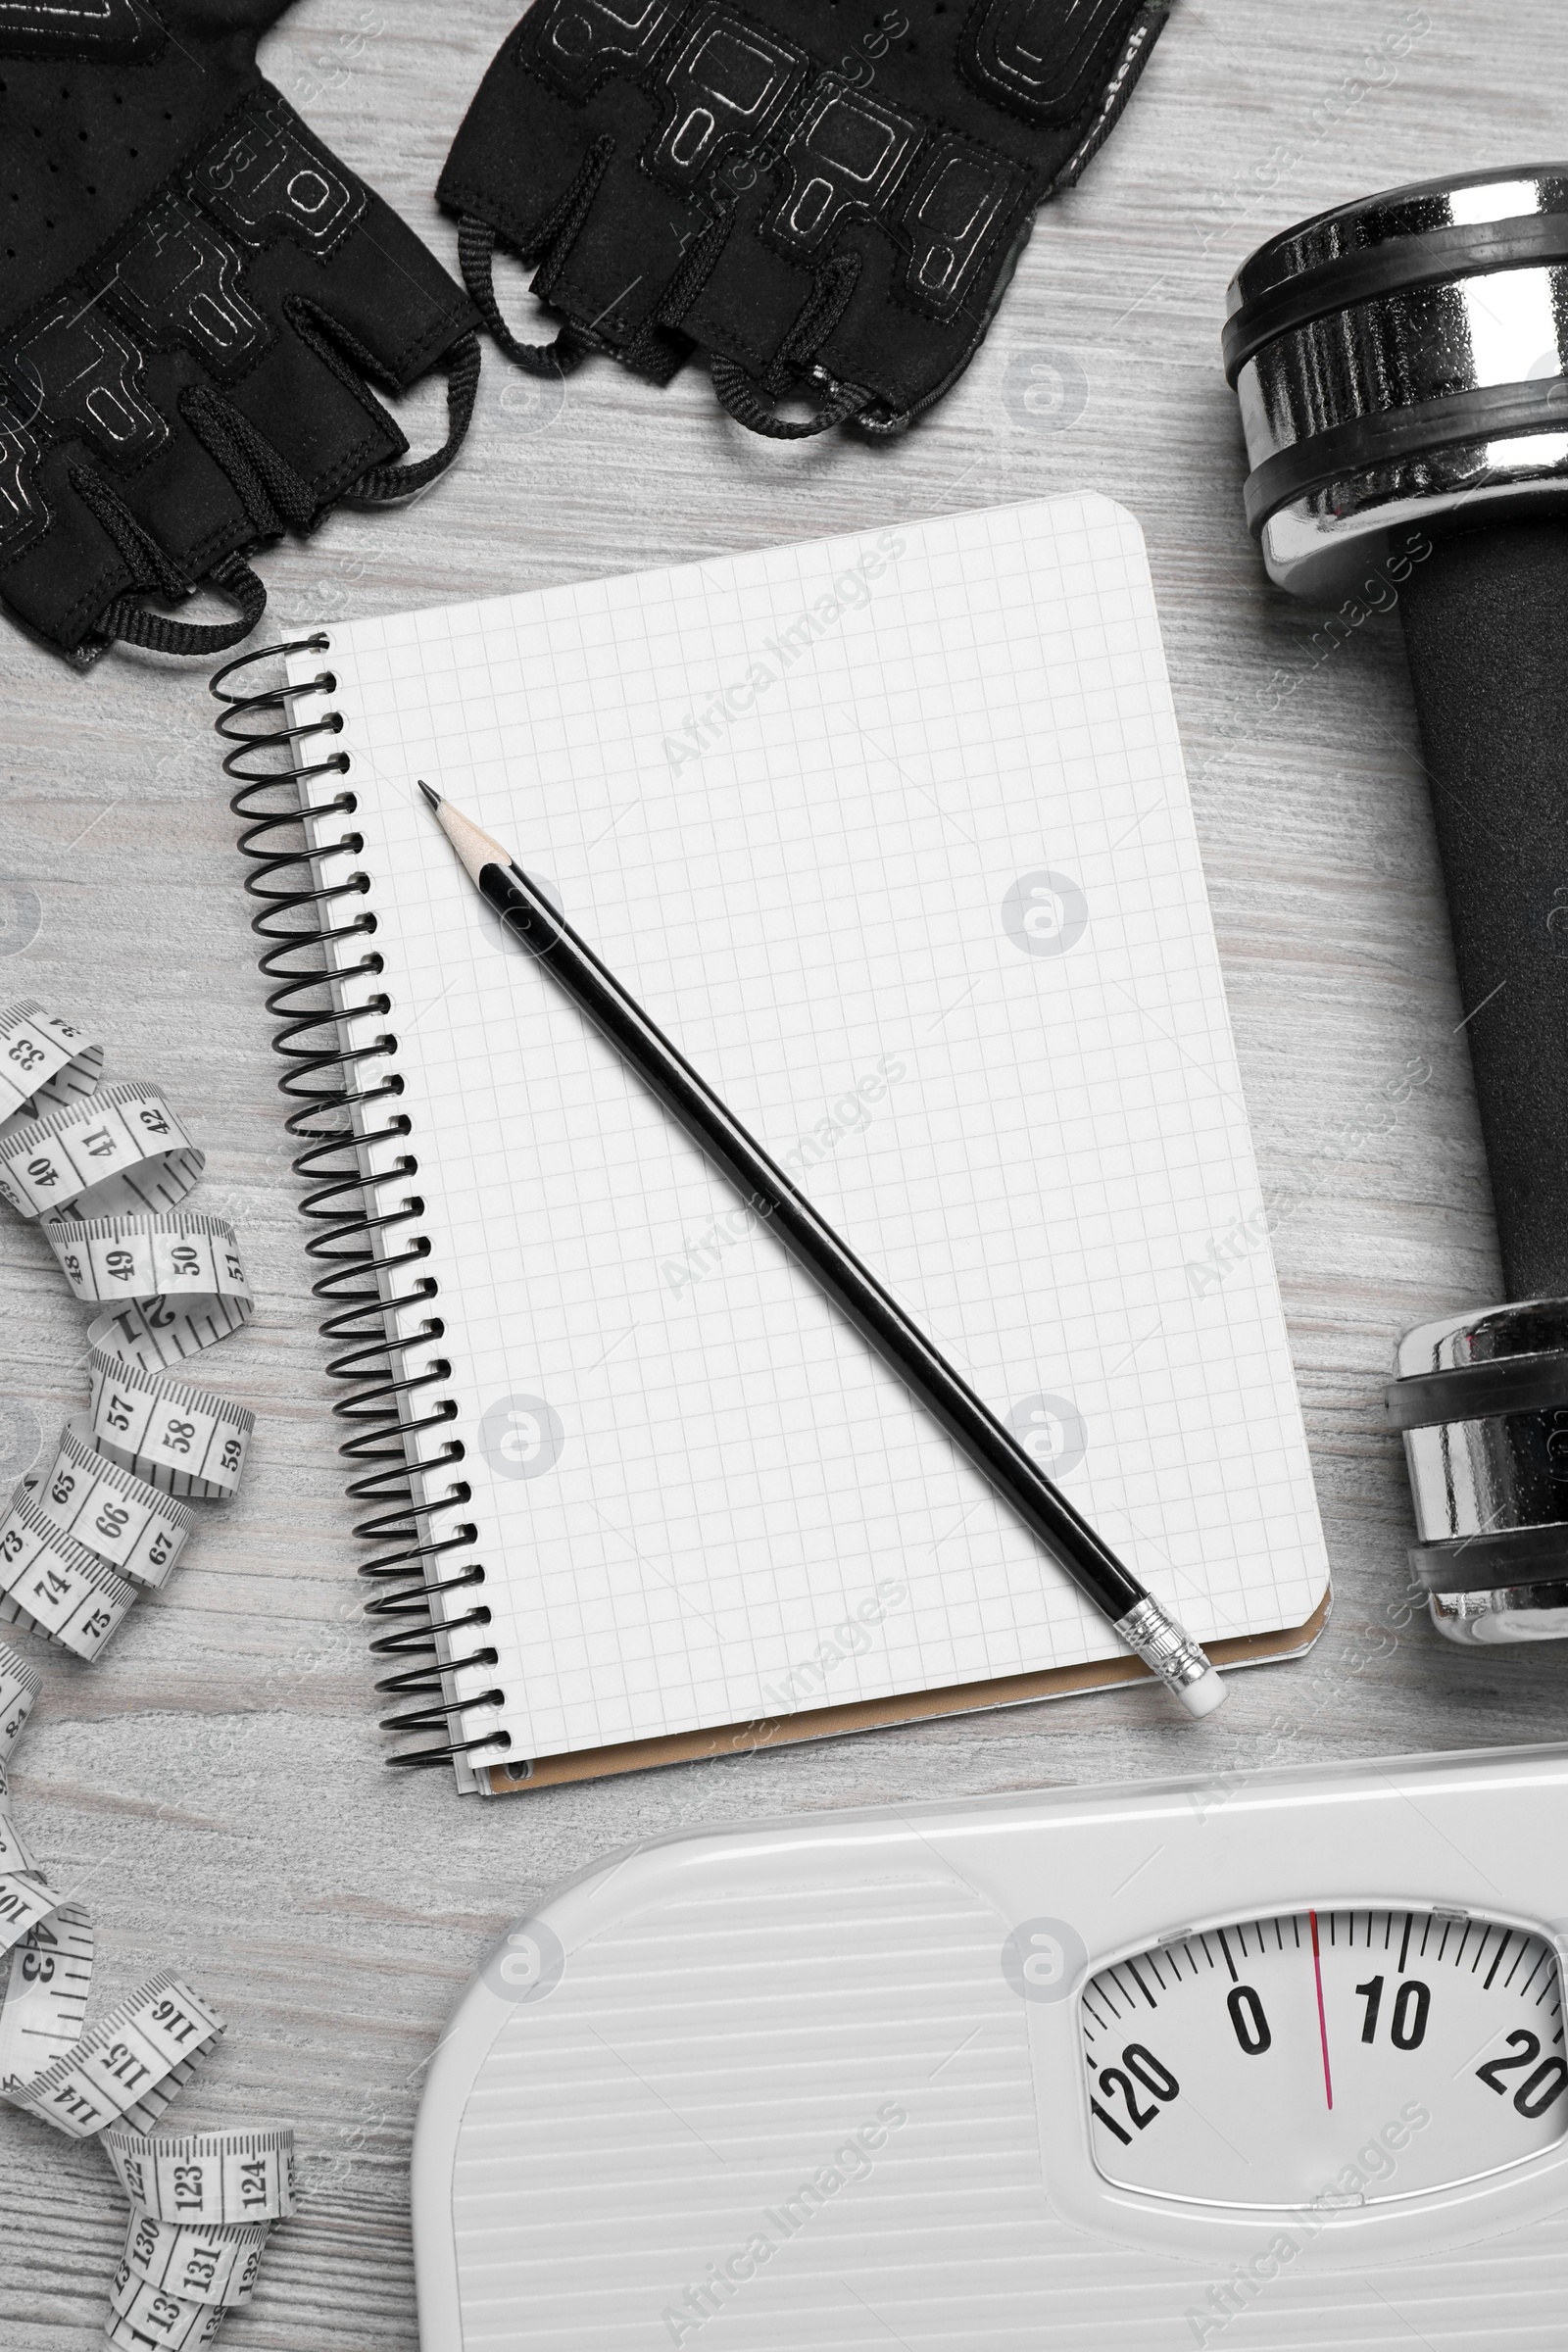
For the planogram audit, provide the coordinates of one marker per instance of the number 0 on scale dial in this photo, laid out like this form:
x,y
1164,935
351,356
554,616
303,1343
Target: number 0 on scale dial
x,y
1342,2058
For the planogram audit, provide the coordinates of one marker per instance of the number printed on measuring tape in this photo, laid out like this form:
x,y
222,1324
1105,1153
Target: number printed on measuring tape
x,y
131,1525
157,2315
57,1584
121,1148
242,2174
150,2315
44,1059
201,2263
186,1440
19,1685
163,1258
130,2064
44,1984
24,1902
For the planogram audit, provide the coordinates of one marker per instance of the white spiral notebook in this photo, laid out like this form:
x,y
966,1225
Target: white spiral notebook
x,y
891,834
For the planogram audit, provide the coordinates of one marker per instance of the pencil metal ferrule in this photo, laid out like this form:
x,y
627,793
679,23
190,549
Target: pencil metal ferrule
x,y
1166,1648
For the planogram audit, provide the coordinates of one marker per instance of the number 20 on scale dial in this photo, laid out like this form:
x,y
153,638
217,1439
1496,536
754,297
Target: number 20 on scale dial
x,y
1342,2058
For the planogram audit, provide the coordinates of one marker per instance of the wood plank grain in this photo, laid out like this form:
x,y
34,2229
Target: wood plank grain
x,y
216,1786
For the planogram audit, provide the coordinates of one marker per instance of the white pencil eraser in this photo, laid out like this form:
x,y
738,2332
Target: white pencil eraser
x,y
1202,1698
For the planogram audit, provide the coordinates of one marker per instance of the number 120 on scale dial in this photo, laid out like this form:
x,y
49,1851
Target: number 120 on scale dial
x,y
1336,2057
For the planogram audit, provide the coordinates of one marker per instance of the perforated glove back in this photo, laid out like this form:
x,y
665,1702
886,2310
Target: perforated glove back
x,y
195,297
823,195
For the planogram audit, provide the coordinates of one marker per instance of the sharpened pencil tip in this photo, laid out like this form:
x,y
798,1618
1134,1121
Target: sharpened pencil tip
x,y
432,796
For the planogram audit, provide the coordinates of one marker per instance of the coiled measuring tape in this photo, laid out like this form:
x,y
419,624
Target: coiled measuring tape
x,y
203,2206
203,2264
44,1996
133,1525
171,1434
19,1685
105,1170
120,1147
44,1059
145,2315
207,2176
55,1585
128,2065
132,2063
175,2280
46,1945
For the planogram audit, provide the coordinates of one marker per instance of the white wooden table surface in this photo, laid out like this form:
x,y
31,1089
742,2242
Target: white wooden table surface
x,y
216,1786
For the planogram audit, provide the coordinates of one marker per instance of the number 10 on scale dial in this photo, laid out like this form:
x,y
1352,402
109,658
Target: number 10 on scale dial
x,y
1337,2058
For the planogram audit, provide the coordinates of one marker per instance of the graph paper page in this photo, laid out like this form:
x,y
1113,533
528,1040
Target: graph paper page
x,y
891,834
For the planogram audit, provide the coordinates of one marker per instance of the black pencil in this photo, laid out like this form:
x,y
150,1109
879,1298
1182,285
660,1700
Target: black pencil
x,y
1141,1621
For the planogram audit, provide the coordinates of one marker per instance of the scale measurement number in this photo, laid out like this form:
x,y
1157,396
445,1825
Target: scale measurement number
x,y
1140,2064
1537,2092
1354,2056
1412,2004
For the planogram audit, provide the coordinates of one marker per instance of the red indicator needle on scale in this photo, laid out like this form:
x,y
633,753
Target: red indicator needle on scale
x,y
1322,2021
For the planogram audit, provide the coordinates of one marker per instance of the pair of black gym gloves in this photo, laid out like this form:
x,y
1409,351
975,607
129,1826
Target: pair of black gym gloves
x,y
199,302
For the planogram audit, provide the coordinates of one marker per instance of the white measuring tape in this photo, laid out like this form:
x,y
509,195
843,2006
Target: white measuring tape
x,y
203,2264
128,1523
54,1586
24,1901
15,1859
207,2176
184,1439
128,2065
88,1160
145,2315
19,1685
203,2206
121,1148
106,1170
178,1256
44,1996
44,1059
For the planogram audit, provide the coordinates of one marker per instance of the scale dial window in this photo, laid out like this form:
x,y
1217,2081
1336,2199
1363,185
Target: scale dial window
x,y
1341,2057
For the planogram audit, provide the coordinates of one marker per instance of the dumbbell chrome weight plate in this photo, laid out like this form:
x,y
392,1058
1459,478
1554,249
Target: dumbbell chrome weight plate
x,y
1400,366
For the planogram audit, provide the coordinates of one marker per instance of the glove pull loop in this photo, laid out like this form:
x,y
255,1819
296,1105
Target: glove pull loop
x,y
233,578
152,573
751,406
357,368
384,484
477,251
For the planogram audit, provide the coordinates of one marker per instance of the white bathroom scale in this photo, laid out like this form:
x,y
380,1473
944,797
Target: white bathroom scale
x,y
1266,2060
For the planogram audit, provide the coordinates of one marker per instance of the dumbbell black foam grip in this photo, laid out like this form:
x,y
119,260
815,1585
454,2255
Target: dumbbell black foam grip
x,y
1486,624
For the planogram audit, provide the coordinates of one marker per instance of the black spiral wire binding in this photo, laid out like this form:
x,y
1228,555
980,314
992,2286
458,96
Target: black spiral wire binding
x,y
365,1248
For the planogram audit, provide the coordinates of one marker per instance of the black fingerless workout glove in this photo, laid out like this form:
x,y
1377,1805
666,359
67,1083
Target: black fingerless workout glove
x,y
195,297
825,196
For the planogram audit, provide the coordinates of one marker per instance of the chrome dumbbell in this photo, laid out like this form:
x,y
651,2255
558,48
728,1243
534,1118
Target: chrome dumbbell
x,y
1399,364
